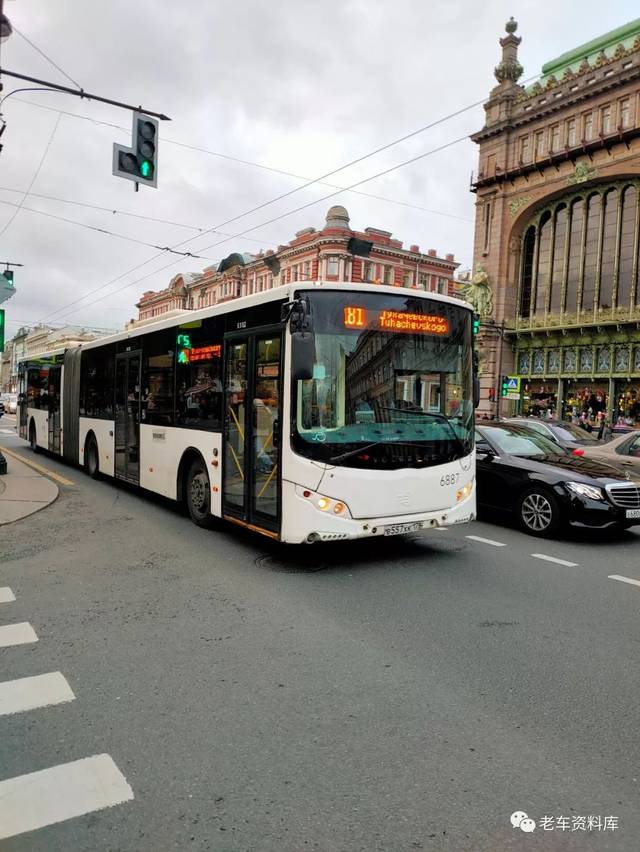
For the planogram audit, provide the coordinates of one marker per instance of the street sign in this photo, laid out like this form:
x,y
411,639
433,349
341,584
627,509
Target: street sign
x,y
512,395
513,384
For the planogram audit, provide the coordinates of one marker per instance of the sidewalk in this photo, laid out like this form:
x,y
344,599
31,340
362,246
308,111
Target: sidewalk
x,y
23,491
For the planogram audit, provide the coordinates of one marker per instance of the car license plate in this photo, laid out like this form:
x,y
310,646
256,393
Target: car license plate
x,y
633,513
398,529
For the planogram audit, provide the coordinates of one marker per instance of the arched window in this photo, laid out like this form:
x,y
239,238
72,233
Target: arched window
x,y
557,266
628,230
609,240
592,241
574,270
544,255
528,248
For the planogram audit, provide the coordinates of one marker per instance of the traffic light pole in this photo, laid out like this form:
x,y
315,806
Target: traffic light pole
x,y
499,394
80,93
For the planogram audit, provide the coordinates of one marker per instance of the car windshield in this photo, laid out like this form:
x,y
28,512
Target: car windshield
x,y
521,441
392,377
569,432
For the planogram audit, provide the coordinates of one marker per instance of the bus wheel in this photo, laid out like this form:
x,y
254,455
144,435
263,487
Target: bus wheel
x,y
92,459
198,494
33,442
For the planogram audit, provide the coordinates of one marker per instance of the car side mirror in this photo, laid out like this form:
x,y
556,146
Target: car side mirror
x,y
485,451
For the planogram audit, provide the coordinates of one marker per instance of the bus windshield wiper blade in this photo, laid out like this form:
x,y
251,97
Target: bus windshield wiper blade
x,y
370,446
439,417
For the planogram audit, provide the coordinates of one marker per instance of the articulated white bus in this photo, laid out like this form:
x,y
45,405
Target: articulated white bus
x,y
310,412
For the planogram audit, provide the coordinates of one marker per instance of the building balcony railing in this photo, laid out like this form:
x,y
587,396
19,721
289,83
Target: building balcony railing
x,y
591,317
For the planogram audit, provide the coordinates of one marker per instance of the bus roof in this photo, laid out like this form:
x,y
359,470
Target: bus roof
x,y
284,292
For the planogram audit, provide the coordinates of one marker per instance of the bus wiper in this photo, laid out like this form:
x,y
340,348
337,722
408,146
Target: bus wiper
x,y
440,417
370,446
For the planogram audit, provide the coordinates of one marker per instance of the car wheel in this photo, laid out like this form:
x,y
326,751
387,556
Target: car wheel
x,y
92,459
33,441
539,512
199,495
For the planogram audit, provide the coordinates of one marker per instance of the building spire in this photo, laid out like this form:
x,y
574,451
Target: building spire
x,y
509,70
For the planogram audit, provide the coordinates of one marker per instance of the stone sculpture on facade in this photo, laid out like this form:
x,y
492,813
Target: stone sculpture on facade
x,y
478,292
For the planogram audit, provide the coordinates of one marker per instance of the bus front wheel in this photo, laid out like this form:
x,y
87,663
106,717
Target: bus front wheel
x,y
198,494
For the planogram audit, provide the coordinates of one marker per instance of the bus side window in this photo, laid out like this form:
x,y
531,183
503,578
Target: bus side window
x,y
199,392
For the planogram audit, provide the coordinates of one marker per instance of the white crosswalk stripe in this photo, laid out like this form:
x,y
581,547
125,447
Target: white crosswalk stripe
x,y
58,793
31,693
17,634
6,595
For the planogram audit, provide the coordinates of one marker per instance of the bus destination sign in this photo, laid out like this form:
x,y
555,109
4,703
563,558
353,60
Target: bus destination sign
x,y
398,321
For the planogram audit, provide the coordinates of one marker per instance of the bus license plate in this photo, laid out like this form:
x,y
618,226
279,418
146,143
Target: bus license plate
x,y
398,529
633,513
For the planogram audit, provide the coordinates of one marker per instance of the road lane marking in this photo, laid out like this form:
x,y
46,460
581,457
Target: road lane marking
x,y
53,795
624,579
486,540
30,693
40,468
17,634
11,432
441,529
555,559
6,595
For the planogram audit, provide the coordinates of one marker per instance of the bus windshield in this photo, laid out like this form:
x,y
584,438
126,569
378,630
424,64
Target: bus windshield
x,y
392,384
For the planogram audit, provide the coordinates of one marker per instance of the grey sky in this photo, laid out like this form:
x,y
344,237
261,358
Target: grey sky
x,y
296,85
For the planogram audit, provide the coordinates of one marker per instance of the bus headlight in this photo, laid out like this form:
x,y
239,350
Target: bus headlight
x,y
324,504
464,492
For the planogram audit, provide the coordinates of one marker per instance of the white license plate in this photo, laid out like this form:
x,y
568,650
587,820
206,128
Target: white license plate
x,y
398,529
633,513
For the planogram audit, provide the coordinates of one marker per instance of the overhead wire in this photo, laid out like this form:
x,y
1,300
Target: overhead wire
x,y
262,224
48,58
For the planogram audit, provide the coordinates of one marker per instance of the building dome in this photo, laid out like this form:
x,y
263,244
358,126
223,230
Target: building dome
x,y
337,217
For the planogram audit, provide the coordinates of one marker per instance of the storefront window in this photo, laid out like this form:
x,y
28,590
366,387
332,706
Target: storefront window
x,y
554,361
538,361
622,359
570,360
603,360
636,360
523,363
586,359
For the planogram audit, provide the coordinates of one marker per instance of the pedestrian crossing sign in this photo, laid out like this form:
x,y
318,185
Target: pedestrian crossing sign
x,y
513,384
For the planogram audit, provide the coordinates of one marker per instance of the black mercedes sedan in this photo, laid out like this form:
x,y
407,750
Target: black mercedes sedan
x,y
522,473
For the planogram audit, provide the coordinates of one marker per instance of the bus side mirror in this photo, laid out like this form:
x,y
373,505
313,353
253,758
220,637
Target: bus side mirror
x,y
303,355
476,390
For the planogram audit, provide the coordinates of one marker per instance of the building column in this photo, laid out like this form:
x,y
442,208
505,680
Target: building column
x,y
611,401
560,400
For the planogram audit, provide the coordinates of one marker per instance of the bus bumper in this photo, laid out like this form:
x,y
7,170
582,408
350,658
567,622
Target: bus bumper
x,y
303,522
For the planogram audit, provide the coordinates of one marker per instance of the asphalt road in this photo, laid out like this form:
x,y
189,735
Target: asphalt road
x,y
399,694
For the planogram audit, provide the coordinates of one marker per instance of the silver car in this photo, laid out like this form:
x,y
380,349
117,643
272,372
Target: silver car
x,y
623,450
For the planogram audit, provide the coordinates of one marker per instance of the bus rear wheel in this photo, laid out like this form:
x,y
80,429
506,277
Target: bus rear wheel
x,y
92,459
33,441
198,494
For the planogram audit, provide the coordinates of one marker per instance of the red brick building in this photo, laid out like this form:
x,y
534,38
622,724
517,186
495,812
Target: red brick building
x,y
327,254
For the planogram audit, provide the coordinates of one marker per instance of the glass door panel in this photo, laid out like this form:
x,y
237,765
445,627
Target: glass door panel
x,y
235,427
127,417
53,395
265,428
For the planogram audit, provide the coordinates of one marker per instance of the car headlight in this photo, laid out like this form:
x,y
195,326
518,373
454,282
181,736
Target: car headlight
x,y
583,490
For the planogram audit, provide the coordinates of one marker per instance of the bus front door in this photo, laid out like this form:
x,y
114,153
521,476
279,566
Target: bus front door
x,y
127,417
53,394
253,394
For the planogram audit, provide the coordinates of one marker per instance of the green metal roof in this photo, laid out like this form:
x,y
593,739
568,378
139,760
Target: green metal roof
x,y
607,43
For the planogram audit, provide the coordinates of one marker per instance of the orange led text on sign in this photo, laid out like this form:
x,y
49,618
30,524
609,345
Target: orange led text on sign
x,y
406,322
205,353
354,317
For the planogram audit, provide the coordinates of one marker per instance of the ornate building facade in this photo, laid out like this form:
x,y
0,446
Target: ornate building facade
x,y
556,251
328,254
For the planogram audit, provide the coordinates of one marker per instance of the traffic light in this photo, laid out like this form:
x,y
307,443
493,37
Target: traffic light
x,y
140,162
476,323
8,276
505,385
1,329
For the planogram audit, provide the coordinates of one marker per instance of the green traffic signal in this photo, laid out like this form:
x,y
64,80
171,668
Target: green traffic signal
x,y
476,323
8,276
146,169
